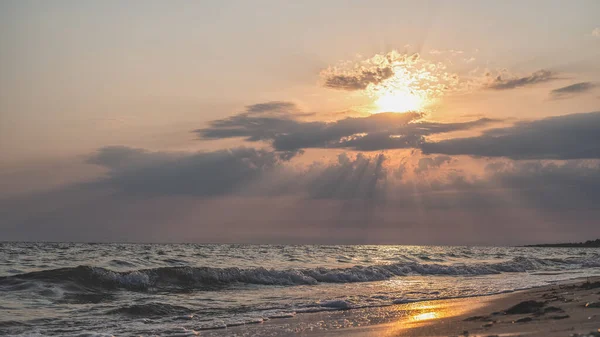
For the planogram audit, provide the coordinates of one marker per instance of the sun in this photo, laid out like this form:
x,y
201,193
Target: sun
x,y
394,81
399,101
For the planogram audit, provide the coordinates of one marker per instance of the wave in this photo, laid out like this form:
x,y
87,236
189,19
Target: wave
x,y
151,309
207,278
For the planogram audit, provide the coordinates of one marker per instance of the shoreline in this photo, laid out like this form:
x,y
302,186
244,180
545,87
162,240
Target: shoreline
x,y
60,290
557,310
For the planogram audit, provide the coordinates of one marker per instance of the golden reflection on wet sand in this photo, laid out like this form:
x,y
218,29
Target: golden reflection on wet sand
x,y
433,313
425,316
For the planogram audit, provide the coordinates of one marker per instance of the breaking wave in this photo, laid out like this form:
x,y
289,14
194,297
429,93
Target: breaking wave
x,y
207,278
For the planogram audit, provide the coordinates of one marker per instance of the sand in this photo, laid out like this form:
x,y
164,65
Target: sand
x,y
557,310
562,311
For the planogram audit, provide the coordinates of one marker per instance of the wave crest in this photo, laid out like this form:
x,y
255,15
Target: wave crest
x,y
207,278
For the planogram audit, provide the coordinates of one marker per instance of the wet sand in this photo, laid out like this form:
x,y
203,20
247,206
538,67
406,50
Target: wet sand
x,y
550,311
556,310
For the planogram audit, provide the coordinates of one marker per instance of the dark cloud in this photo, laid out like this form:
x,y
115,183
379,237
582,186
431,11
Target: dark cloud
x,y
360,80
572,185
248,195
571,90
258,122
362,178
240,171
138,171
575,136
368,178
535,185
273,110
371,133
276,108
539,76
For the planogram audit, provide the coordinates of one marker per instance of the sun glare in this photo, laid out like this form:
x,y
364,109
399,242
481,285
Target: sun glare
x,y
398,102
394,81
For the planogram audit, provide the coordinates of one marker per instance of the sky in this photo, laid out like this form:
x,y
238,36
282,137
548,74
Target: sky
x,y
337,122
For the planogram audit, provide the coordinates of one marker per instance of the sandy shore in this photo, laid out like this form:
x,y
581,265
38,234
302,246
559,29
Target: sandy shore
x,y
557,310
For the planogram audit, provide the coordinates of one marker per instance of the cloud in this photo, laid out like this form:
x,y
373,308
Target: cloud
x,y
575,136
393,72
258,122
571,185
539,76
276,109
361,177
572,89
373,178
273,106
239,171
428,163
139,171
360,74
371,133
248,195
359,81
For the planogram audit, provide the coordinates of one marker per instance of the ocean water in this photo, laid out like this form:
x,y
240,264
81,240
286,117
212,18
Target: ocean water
x,y
72,289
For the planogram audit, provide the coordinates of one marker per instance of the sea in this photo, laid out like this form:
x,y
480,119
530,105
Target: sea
x,y
100,289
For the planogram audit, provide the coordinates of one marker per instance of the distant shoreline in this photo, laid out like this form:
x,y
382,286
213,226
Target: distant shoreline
x,y
587,244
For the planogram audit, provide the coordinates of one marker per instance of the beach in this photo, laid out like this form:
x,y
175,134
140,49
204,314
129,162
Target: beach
x,y
565,309
76,289
271,168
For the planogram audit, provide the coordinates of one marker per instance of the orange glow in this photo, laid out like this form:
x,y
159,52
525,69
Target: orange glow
x,y
424,316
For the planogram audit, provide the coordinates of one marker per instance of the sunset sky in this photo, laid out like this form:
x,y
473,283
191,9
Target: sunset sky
x,y
421,122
